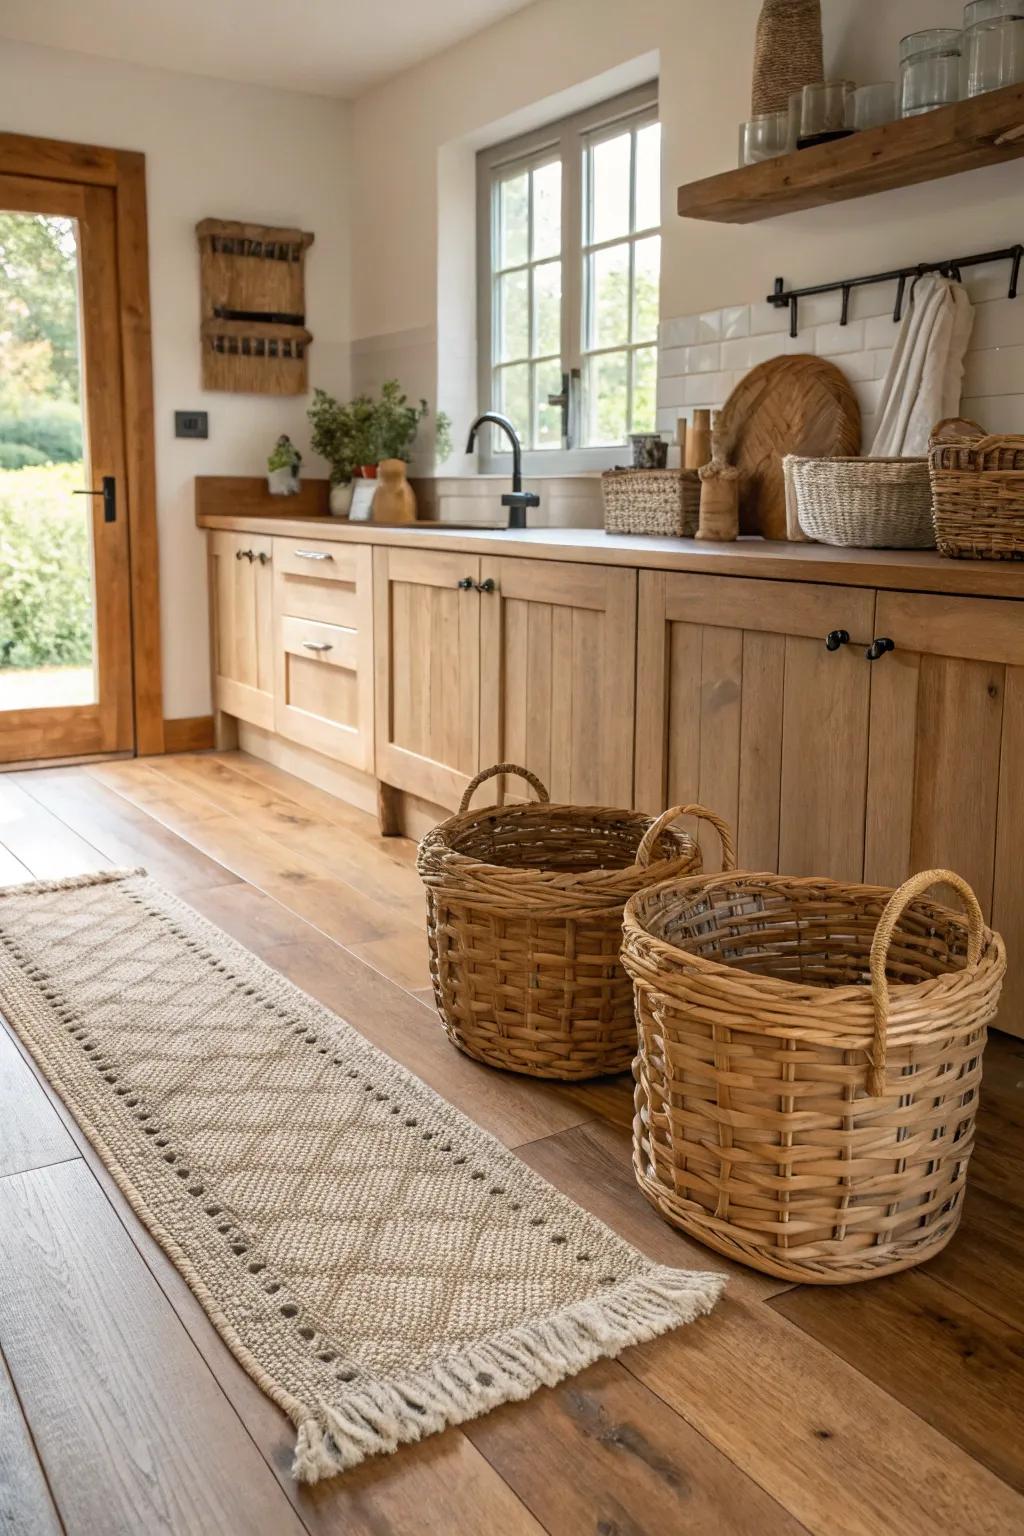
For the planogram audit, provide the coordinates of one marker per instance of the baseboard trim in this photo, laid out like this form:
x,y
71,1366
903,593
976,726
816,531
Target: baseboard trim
x,y
193,733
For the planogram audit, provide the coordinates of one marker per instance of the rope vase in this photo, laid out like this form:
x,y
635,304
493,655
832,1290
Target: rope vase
x,y
787,52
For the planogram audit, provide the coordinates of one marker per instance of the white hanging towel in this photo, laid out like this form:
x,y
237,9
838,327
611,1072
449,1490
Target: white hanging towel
x,y
926,371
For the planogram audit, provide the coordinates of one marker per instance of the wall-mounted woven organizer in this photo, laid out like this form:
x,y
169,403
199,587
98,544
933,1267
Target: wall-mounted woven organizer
x,y
252,281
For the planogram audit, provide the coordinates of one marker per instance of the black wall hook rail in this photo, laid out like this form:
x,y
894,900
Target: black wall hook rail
x,y
782,297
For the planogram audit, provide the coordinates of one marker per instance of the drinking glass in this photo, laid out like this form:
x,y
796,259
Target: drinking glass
x,y
764,137
826,112
929,70
993,46
874,105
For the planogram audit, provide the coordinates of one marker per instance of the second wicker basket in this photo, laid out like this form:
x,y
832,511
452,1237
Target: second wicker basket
x,y
524,920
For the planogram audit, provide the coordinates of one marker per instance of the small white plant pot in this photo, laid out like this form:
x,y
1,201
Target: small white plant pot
x,y
282,482
340,499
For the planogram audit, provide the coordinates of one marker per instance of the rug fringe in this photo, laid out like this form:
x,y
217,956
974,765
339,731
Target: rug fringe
x,y
71,882
375,1420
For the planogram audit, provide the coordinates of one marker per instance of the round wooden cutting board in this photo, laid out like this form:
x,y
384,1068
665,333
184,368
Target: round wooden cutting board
x,y
798,404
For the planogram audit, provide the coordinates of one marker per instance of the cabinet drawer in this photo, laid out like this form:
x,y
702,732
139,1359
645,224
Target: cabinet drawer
x,y
317,581
324,694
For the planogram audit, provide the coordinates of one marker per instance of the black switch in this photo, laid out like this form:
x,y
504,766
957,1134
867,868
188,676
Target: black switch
x,y
191,424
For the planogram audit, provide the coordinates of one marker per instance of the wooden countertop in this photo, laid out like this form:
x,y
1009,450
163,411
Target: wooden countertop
x,y
900,569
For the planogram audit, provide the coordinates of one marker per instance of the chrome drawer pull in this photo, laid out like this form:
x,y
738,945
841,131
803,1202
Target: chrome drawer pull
x,y
318,645
312,554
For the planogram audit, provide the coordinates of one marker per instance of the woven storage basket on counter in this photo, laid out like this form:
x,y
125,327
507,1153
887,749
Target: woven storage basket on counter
x,y
808,1066
863,503
663,501
977,492
524,919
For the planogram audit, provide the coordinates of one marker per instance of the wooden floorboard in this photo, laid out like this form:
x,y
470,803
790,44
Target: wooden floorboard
x,y
31,1132
955,1364
881,1410
130,1425
26,1508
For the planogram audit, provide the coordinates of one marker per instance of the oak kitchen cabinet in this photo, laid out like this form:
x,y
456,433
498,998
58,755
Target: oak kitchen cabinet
x,y
620,682
742,706
491,660
946,758
241,615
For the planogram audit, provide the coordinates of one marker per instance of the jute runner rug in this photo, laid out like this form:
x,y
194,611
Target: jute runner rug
x,y
379,1265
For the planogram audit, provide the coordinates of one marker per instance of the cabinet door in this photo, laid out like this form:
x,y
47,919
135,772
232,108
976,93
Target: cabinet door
x,y
242,622
427,668
558,666
323,628
946,770
741,706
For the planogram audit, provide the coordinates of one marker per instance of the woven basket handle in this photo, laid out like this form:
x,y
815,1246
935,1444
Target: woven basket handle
x,y
897,903
654,831
492,773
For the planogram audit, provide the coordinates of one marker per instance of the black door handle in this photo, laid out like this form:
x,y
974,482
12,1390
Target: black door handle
x,y
109,494
489,585
879,646
835,638
465,584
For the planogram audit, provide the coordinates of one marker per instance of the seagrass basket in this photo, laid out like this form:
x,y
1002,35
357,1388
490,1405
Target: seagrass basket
x,y
977,492
808,1066
661,501
863,503
524,921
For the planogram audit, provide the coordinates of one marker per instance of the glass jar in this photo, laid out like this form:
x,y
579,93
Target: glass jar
x,y
929,70
874,105
826,112
764,137
993,46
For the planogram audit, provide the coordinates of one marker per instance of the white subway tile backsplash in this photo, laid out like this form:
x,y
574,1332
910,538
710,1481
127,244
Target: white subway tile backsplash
x,y
869,396
696,368
998,323
834,340
859,367
735,322
880,331
703,359
766,320
707,388
671,391
995,413
996,371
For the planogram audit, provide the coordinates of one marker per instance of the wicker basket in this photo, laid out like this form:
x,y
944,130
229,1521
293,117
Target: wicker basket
x,y
524,919
863,503
808,1067
663,501
977,492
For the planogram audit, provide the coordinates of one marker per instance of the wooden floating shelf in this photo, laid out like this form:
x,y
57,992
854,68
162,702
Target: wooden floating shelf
x,y
985,130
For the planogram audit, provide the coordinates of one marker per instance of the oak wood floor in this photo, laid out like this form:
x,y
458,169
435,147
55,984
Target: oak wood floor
x,y
888,1409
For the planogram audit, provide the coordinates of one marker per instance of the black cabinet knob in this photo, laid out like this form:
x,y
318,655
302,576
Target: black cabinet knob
x,y
466,584
835,638
245,554
489,585
879,646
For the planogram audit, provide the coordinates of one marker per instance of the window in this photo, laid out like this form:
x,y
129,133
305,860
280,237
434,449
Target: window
x,y
570,259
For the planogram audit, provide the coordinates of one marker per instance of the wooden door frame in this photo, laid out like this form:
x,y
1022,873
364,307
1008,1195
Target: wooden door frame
x,y
124,171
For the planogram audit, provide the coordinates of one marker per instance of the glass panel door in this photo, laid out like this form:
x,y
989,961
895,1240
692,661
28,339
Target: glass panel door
x,y
65,653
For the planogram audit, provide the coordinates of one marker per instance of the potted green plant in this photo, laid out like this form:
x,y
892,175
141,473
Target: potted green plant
x,y
334,439
283,468
397,422
442,437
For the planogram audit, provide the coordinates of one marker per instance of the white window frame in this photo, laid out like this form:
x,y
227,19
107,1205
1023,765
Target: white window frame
x,y
567,140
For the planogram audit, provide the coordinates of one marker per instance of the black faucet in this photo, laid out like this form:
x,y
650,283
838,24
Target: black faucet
x,y
517,500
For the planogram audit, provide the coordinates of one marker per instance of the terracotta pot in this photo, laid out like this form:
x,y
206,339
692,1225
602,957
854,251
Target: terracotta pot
x,y
368,471
395,501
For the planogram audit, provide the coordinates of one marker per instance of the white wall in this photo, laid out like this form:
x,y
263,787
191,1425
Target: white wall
x,y
405,132
212,150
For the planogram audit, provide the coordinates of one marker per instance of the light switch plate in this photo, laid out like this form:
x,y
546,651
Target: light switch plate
x,y
191,424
